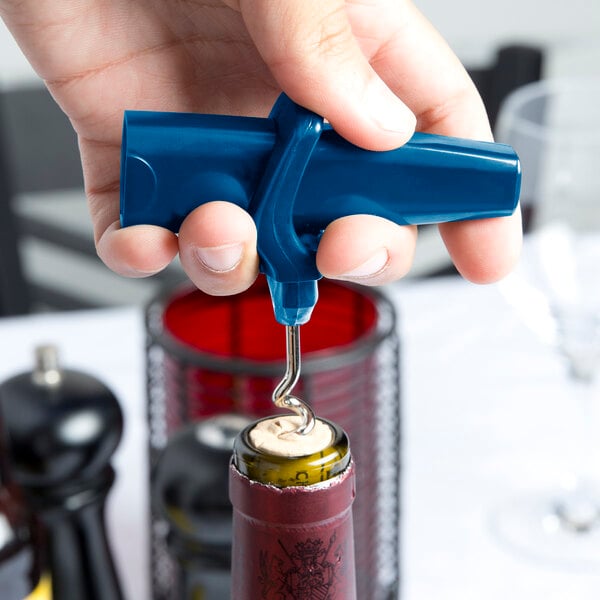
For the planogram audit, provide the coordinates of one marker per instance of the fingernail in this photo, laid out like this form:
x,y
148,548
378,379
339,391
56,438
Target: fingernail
x,y
388,111
221,259
371,267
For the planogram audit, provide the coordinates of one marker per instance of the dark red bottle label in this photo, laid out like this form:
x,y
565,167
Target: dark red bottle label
x,y
293,543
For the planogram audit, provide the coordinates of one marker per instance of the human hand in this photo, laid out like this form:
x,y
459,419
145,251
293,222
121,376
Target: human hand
x,y
349,61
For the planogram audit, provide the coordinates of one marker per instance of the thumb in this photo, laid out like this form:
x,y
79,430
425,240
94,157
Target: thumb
x,y
313,54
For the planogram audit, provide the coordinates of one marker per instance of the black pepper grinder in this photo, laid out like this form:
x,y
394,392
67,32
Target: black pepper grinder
x,y
190,492
62,428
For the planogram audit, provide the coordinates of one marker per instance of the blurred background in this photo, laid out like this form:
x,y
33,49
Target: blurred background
x,y
47,259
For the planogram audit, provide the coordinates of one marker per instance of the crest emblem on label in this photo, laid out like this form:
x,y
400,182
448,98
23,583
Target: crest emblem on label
x,y
308,571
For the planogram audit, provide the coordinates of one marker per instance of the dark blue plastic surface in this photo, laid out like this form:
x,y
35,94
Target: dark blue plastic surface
x,y
295,175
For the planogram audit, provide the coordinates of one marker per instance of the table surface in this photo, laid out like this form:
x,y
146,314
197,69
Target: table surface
x,y
487,418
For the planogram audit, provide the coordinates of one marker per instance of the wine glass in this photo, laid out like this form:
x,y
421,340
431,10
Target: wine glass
x,y
554,125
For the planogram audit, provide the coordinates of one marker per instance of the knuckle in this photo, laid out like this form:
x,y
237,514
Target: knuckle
x,y
328,37
333,36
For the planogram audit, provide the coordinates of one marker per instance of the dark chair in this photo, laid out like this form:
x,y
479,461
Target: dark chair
x,y
45,233
514,66
14,297
38,152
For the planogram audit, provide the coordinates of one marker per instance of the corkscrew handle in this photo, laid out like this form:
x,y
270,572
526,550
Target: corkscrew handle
x,y
295,175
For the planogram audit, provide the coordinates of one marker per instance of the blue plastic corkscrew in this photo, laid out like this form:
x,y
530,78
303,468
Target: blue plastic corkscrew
x,y
295,175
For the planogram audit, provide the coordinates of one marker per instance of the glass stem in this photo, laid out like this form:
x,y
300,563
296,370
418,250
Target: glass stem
x,y
579,507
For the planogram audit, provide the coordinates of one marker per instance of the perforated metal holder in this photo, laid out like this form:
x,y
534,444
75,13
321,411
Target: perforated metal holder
x,y
208,356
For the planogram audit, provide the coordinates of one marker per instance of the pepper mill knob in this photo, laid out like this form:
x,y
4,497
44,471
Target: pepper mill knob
x,y
63,425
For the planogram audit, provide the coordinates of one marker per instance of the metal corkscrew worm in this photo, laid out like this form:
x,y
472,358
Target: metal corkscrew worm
x,y
282,396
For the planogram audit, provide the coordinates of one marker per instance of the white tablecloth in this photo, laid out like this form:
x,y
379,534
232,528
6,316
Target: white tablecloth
x,y
487,417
